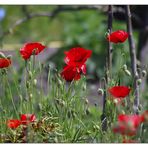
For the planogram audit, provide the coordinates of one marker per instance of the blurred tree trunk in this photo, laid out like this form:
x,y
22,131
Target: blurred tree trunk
x,y
139,18
143,46
132,49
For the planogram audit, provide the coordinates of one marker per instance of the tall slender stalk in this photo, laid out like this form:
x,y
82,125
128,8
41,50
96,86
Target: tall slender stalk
x,y
109,52
103,116
133,58
108,68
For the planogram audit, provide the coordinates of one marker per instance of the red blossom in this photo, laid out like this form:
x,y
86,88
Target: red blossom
x,y
77,57
131,120
119,91
144,116
5,62
124,130
70,73
129,141
127,124
13,123
118,36
27,118
31,48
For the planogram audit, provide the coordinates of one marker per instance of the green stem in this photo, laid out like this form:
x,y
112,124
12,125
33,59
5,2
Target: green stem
x,y
11,96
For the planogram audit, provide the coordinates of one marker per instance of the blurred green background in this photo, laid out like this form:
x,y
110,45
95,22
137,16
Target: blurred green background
x,y
86,28
74,26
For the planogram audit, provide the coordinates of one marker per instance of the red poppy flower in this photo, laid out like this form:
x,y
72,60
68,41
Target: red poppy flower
x,y
129,141
119,91
13,123
118,36
31,48
77,57
144,116
5,62
27,118
124,130
131,120
70,73
127,124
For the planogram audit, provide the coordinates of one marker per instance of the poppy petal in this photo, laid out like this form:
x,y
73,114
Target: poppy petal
x,y
70,73
29,48
119,91
118,36
5,62
13,123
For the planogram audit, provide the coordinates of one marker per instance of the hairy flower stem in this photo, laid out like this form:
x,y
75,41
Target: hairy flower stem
x,y
11,96
103,116
133,58
33,62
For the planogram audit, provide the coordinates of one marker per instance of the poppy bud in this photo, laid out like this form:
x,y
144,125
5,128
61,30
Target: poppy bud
x,y
10,30
35,82
140,107
108,102
94,127
62,103
2,55
42,65
87,111
88,132
124,67
136,75
84,87
86,101
144,73
123,112
28,84
128,72
9,56
139,81
40,106
115,101
100,92
29,64
60,82
31,95
21,97
30,74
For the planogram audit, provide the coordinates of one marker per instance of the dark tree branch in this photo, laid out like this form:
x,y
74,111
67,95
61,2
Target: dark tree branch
x,y
51,15
133,58
55,12
108,69
25,11
109,56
